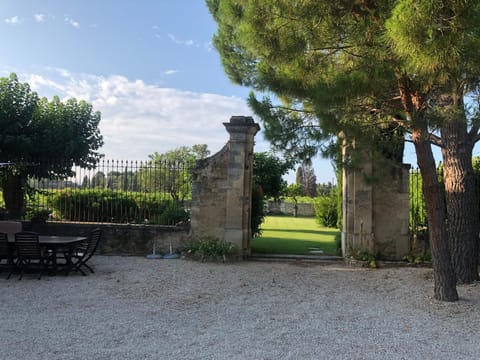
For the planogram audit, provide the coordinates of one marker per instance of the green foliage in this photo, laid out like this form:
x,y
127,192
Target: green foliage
x,y
172,214
38,214
293,131
33,129
295,192
18,105
182,154
173,170
211,249
369,259
418,212
325,189
106,205
267,182
268,171
326,210
436,41
257,211
425,257
97,205
299,199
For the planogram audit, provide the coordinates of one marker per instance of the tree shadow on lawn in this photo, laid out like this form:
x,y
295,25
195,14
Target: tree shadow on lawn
x,y
297,245
332,232
275,245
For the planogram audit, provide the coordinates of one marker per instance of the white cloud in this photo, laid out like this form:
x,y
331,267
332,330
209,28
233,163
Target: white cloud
x,y
139,119
38,81
39,17
170,72
72,22
14,20
181,42
208,46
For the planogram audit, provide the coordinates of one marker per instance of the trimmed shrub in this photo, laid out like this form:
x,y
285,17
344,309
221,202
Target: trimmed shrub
x,y
97,205
108,206
326,210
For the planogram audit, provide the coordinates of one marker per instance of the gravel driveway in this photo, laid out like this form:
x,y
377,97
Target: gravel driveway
x,y
135,308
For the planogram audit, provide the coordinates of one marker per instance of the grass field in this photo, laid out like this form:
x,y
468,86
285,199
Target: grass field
x,y
290,235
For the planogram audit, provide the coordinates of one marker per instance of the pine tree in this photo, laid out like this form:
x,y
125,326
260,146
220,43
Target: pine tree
x,y
359,67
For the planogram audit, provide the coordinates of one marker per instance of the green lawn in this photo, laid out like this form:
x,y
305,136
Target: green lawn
x,y
290,235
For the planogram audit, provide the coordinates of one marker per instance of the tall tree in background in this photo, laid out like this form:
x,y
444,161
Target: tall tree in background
x,y
309,180
268,171
363,68
299,177
172,172
305,176
34,129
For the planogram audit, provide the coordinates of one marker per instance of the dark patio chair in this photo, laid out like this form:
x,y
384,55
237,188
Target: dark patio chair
x,y
84,251
6,255
31,256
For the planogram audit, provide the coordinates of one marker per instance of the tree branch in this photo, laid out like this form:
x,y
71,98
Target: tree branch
x,y
436,140
473,133
292,109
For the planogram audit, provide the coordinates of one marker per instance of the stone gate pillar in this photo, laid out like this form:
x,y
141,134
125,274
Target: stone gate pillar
x,y
238,231
376,209
222,188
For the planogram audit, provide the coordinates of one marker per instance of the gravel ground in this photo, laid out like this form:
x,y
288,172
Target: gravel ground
x,y
135,308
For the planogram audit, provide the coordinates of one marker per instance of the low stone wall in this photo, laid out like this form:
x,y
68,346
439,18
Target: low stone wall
x,y
282,207
123,239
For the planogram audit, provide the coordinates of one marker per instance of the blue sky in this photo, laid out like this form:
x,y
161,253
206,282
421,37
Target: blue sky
x,y
148,66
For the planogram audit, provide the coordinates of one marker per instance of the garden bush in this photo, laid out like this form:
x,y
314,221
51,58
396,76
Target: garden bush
x,y
326,210
211,249
97,205
108,206
257,214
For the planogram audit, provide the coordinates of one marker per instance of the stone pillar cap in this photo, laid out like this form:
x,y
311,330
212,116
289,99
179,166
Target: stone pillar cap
x,y
241,124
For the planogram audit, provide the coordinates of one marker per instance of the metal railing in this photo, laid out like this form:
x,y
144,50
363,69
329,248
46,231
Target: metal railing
x,y
157,192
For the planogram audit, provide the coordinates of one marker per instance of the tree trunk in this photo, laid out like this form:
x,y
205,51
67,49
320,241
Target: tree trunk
x,y
13,195
445,284
461,200
443,272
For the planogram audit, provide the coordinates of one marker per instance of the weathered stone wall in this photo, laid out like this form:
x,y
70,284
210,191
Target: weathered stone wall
x,y
122,239
209,193
391,214
282,207
376,213
222,189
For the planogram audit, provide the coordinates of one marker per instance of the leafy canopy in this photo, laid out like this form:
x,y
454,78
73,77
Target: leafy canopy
x,y
341,65
33,129
36,131
268,171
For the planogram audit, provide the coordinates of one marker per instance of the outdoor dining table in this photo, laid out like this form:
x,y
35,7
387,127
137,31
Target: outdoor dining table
x,y
55,244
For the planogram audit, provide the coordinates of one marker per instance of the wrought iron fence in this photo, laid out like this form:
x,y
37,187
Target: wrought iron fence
x,y
418,211
115,191
144,191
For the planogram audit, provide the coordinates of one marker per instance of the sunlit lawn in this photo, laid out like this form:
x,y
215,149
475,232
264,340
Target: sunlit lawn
x,y
290,235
